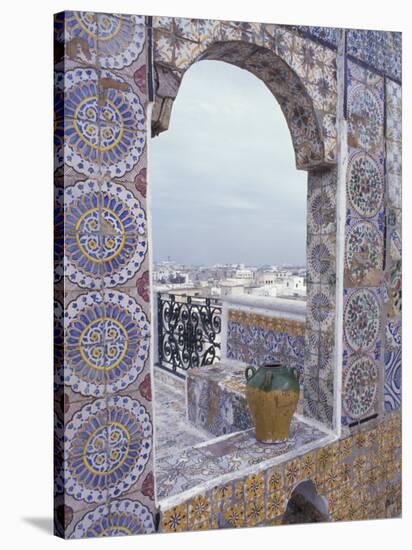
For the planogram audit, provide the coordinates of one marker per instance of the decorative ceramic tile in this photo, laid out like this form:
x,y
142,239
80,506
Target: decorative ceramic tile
x,y
104,480
365,111
105,234
116,40
364,255
76,35
393,335
362,319
321,307
365,185
326,34
360,386
122,517
108,445
107,343
104,125
258,339
394,281
379,49
218,405
321,259
120,41
393,369
195,466
394,142
187,39
322,210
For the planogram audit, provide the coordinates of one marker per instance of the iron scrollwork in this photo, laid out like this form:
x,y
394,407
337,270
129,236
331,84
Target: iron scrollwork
x,y
188,331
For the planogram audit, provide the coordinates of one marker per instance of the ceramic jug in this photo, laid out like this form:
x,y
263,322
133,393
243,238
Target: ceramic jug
x,y
272,393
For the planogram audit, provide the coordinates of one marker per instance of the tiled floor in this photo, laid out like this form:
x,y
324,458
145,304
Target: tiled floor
x,y
173,431
187,457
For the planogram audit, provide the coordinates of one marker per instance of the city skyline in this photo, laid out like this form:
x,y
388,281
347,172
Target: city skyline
x,y
224,183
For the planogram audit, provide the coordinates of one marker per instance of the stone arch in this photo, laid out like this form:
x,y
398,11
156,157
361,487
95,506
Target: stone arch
x,y
279,78
305,505
298,72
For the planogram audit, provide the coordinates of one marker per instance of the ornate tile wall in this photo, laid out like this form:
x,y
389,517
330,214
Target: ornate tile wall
x,y
104,482
381,50
321,288
104,479
362,384
359,476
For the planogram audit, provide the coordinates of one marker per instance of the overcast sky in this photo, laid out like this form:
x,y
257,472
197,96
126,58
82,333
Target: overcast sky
x,y
224,184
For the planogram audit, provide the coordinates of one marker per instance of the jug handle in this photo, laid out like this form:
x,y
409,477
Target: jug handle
x,y
296,373
247,371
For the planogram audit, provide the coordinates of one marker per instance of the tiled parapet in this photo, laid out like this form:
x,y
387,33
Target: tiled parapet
x,y
219,460
261,331
104,483
216,399
358,477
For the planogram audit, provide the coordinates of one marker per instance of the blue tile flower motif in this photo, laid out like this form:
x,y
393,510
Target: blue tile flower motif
x,y
107,446
117,40
105,234
107,343
122,517
326,34
104,123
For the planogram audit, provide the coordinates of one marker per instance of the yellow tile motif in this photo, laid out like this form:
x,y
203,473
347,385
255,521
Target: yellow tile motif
x,y
175,519
199,510
235,515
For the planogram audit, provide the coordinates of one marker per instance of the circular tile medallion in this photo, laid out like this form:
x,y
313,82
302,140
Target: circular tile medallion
x,y
365,118
365,185
362,320
360,387
118,40
107,447
126,517
105,234
104,123
106,343
364,253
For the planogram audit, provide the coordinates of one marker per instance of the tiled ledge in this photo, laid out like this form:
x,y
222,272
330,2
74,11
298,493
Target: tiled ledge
x,y
284,308
221,460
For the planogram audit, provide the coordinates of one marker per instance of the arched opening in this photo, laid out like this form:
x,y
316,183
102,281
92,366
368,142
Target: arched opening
x,y
305,505
224,186
203,423
228,217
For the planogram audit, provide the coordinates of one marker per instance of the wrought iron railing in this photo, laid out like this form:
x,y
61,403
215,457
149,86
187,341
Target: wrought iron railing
x,y
188,331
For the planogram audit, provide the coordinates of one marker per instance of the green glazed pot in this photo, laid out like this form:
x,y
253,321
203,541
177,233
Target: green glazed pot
x,y
272,393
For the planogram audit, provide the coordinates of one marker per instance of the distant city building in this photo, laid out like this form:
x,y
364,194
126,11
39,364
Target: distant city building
x,y
229,280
